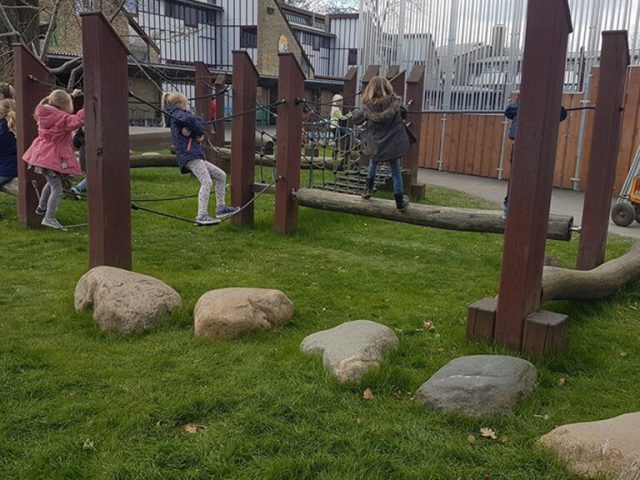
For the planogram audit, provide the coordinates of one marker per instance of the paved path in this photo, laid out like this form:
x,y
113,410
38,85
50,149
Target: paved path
x,y
563,202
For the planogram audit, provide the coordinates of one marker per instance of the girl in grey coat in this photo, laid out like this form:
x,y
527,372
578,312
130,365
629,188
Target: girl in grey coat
x,y
386,138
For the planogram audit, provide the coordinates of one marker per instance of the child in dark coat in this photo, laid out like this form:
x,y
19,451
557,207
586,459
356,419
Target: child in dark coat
x,y
8,148
386,138
187,132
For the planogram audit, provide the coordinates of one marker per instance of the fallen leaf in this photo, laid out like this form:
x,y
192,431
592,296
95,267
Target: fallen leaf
x,y
471,439
429,326
368,394
88,445
562,382
488,433
161,423
359,421
193,428
623,354
544,417
504,439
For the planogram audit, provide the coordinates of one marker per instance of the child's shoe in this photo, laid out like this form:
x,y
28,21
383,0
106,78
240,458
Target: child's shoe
x,y
402,201
368,190
52,223
40,211
224,211
76,193
204,219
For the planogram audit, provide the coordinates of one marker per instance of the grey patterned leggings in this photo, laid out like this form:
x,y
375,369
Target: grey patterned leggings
x,y
51,193
204,172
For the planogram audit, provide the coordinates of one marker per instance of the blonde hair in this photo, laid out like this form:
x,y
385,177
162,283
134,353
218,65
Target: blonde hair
x,y
60,100
8,113
174,99
378,89
337,100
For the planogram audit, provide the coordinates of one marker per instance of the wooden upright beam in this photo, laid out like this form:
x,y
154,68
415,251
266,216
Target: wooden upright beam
x,y
243,138
204,96
397,83
372,71
349,89
289,134
543,68
29,92
106,84
605,143
221,88
415,104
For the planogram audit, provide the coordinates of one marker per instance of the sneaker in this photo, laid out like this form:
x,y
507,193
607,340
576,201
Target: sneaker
x,y
76,193
53,223
402,201
225,211
206,220
40,211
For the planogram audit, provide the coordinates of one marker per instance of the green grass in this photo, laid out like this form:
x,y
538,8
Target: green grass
x,y
76,403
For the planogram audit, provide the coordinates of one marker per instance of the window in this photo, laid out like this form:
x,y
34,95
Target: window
x,y
353,56
248,37
316,42
191,16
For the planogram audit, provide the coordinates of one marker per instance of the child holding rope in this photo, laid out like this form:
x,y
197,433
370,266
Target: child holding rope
x,y
8,150
187,132
386,138
51,153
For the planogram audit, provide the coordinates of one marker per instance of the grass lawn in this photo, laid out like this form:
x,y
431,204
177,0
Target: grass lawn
x,y
76,403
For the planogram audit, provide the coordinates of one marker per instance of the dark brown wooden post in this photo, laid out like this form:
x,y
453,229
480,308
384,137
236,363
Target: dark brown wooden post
x,y
28,94
349,89
243,137
107,142
289,134
397,83
221,88
204,96
372,71
543,68
415,104
605,144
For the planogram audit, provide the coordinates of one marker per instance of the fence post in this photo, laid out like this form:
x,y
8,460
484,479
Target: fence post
x,y
397,82
289,134
28,95
106,85
204,95
243,138
415,103
349,89
220,126
604,149
372,71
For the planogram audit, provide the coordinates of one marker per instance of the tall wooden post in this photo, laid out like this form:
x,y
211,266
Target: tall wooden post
x,y
604,149
243,138
397,83
349,89
289,134
107,142
543,69
204,96
372,71
28,94
219,135
415,104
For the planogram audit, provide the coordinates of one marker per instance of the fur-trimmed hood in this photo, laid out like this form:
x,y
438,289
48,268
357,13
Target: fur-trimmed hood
x,y
384,111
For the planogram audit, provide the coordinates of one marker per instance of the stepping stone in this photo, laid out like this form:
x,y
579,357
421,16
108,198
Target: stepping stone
x,y
125,301
479,385
606,448
232,312
352,349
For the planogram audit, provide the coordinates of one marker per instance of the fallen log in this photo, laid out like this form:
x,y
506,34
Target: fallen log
x,y
460,219
603,281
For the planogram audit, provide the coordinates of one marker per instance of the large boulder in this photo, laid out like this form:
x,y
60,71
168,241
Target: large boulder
x,y
125,301
232,312
608,448
478,385
352,349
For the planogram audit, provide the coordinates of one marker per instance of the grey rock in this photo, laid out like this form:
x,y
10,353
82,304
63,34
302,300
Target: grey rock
x,y
232,312
352,349
125,301
479,385
607,448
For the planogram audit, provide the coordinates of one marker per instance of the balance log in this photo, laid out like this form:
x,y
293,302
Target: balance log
x,y
461,219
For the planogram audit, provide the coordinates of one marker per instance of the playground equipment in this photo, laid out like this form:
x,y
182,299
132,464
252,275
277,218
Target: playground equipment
x,y
627,206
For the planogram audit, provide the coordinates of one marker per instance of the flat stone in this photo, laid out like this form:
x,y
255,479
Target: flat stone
x,y
232,312
479,385
125,301
352,349
608,448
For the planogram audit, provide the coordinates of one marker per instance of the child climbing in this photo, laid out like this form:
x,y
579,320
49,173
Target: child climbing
x,y
187,132
386,138
8,150
51,153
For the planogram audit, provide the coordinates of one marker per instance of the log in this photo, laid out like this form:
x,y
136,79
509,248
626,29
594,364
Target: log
x,y
460,219
603,281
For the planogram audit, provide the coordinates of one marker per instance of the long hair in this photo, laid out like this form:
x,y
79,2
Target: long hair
x,y
174,99
60,100
377,90
8,113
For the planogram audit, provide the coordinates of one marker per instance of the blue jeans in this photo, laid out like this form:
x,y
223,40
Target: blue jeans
x,y
82,186
398,188
4,180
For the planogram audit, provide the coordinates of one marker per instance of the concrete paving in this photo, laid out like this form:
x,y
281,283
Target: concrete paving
x,y
563,202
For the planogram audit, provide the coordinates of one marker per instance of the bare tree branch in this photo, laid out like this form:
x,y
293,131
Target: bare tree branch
x,y
50,29
10,28
72,78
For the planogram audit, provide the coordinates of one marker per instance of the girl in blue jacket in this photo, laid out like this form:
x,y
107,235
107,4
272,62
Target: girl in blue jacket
x,y
8,150
187,131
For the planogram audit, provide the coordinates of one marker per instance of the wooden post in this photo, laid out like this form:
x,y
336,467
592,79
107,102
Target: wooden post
x,y
415,103
28,94
372,71
243,138
289,134
204,96
349,89
219,135
106,84
397,83
543,68
605,144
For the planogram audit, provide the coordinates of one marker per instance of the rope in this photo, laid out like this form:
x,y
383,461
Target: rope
x,y
255,109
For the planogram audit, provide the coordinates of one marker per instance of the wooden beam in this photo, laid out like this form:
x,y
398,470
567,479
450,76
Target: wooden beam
x,y
349,89
220,127
204,96
415,103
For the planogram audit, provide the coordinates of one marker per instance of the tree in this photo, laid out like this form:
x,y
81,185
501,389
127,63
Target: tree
x,y
325,6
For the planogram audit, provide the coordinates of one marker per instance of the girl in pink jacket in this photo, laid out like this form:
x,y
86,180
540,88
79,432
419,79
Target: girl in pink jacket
x,y
51,154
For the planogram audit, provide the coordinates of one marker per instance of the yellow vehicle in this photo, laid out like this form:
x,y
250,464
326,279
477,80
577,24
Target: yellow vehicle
x,y
627,207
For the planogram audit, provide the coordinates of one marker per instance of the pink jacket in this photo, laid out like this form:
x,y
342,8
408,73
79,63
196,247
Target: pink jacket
x,y
53,149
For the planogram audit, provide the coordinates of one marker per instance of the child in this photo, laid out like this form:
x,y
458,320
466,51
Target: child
x,y
8,150
187,132
78,144
386,138
51,154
